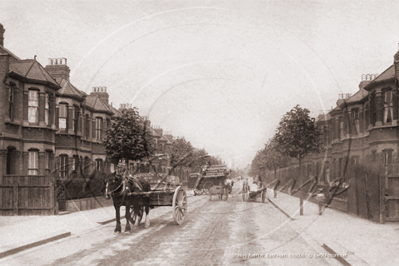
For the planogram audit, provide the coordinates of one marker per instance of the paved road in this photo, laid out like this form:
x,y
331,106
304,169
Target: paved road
x,y
214,233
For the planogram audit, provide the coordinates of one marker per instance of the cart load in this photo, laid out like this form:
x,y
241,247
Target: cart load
x,y
211,176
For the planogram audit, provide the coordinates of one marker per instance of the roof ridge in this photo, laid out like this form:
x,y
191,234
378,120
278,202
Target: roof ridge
x,y
9,52
27,72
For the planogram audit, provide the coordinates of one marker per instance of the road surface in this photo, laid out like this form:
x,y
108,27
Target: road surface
x,y
214,233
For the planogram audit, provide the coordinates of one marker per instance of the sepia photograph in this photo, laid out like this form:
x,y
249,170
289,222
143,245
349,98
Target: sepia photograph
x,y
199,132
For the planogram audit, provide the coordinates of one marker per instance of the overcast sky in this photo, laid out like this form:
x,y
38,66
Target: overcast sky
x,y
219,73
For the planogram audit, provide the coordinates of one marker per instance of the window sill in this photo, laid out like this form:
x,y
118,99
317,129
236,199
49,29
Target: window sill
x,y
12,123
39,127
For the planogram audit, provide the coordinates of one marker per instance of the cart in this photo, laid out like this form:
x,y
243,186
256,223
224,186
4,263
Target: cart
x,y
165,193
211,177
253,195
219,190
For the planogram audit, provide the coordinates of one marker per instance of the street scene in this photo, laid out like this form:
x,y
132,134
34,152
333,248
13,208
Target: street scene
x,y
215,232
199,132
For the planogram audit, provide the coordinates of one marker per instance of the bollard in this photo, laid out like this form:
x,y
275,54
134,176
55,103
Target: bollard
x,y
301,205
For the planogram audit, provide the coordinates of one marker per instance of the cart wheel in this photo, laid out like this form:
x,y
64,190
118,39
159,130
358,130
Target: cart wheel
x,y
134,216
179,205
207,187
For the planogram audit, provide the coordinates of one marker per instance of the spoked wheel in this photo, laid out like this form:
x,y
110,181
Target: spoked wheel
x,y
179,205
134,216
207,186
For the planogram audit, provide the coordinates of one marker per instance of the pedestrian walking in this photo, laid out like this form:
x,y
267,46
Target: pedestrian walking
x,y
245,189
320,198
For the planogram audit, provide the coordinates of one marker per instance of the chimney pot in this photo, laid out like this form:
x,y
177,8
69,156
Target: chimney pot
x,y
2,30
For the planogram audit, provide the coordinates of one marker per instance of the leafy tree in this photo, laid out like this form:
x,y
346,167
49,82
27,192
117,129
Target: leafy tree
x,y
272,156
180,147
129,137
297,135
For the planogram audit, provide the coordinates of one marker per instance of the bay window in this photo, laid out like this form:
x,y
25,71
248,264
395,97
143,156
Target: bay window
x,y
33,164
46,109
11,103
99,125
63,171
63,115
388,107
33,106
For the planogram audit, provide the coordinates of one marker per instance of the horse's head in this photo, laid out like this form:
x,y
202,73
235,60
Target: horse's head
x,y
113,183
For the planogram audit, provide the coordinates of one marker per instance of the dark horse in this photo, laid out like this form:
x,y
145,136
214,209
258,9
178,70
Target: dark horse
x,y
119,187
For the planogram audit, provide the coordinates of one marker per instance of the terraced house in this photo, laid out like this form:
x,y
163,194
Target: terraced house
x,y
47,125
361,140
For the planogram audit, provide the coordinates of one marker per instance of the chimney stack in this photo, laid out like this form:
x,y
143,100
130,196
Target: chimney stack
x,y
101,92
58,69
396,64
2,30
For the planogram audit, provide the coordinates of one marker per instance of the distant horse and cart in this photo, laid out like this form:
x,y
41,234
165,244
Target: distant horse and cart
x,y
212,180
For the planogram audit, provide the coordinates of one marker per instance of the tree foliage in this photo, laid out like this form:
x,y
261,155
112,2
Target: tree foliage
x,y
269,157
297,134
180,147
129,137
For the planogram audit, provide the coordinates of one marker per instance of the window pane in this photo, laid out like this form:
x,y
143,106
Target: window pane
x,y
32,114
63,110
46,103
10,94
33,98
62,123
46,117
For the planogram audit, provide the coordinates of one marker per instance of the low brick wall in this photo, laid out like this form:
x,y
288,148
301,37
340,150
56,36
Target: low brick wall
x,y
87,204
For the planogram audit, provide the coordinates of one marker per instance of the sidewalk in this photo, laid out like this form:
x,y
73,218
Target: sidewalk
x,y
368,243
19,233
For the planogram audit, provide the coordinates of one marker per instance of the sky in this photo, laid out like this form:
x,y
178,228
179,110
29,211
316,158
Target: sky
x,y
219,73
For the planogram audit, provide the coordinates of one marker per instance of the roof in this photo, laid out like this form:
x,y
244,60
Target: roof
x,y
6,51
154,133
169,138
96,103
357,96
32,70
114,110
68,88
388,74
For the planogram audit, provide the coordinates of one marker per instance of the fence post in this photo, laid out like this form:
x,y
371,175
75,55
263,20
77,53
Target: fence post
x,y
15,199
382,197
301,205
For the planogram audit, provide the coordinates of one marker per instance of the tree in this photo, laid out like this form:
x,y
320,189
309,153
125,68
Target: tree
x,y
129,137
297,135
273,158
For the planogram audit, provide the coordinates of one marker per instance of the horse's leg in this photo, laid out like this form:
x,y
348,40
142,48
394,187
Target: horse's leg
x,y
136,209
118,219
147,217
127,216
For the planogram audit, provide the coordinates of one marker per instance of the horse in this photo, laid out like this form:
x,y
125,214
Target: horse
x,y
119,187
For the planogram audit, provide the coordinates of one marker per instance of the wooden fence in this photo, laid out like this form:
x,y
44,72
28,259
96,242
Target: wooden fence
x,y
27,195
373,191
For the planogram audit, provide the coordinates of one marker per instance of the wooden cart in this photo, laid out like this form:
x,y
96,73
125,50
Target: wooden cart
x,y
212,179
175,197
253,195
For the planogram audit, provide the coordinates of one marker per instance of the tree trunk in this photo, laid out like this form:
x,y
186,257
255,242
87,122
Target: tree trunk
x,y
300,193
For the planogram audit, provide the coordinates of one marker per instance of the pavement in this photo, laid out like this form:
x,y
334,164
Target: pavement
x,y
362,242
19,233
334,232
